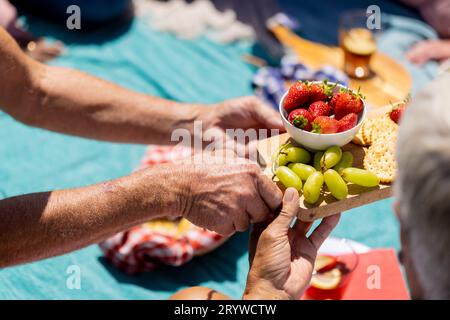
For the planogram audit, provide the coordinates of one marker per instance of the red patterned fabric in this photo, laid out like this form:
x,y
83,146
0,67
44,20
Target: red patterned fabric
x,y
163,154
142,249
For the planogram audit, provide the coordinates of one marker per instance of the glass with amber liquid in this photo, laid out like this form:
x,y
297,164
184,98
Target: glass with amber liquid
x,y
358,44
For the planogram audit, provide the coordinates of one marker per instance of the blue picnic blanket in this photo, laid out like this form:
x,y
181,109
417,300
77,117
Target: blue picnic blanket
x,y
138,58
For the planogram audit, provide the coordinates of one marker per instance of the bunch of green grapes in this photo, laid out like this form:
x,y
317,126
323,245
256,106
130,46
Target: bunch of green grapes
x,y
295,167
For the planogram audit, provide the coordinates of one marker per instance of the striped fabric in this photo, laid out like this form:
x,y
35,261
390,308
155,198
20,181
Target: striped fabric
x,y
144,248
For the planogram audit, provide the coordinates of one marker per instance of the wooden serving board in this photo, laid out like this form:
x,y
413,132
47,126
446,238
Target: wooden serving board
x,y
327,204
391,81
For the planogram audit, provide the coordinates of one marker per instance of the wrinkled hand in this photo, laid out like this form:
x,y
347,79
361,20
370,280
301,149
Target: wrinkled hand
x,y
429,50
247,112
242,113
284,258
226,193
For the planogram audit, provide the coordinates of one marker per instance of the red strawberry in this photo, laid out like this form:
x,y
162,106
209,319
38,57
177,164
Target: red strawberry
x,y
320,92
397,111
323,124
297,96
301,118
348,122
345,102
319,108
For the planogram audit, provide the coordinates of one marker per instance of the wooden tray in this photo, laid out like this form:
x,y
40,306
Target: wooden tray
x,y
391,82
327,204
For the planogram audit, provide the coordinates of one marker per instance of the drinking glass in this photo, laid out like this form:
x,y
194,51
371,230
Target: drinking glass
x,y
357,42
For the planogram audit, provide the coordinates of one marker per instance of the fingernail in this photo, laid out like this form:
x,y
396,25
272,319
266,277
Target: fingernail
x,y
289,194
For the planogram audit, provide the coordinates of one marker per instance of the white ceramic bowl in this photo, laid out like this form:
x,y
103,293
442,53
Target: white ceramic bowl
x,y
318,141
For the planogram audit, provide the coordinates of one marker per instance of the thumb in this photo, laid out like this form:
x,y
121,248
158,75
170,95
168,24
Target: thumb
x,y
288,211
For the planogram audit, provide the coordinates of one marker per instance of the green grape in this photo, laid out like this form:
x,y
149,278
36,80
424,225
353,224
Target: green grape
x,y
335,184
330,158
360,177
316,161
345,162
288,178
312,187
282,159
302,170
279,156
279,151
297,155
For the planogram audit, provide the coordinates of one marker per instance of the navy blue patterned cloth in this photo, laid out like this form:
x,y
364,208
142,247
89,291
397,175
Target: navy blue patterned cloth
x,y
272,82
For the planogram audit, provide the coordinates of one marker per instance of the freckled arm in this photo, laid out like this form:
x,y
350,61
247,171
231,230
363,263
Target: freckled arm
x,y
42,225
72,102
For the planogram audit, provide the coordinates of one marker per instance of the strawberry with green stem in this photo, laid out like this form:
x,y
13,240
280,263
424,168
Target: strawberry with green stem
x,y
320,91
301,118
297,96
346,101
398,109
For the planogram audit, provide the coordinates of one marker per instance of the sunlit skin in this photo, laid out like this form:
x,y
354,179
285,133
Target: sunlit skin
x,y
42,225
281,258
425,51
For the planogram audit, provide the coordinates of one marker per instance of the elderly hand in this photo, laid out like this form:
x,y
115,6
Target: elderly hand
x,y
283,262
225,193
245,113
241,113
429,50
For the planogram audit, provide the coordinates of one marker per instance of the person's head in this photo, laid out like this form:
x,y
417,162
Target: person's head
x,y
422,191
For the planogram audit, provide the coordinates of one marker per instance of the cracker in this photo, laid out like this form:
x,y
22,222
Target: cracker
x,y
367,128
380,159
358,138
383,129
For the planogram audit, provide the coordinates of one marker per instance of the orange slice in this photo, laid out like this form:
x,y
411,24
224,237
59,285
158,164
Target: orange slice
x,y
324,263
328,280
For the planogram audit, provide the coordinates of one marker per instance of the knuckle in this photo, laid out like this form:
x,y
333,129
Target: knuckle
x,y
269,234
261,214
287,210
229,230
251,168
242,226
260,217
224,230
290,207
284,212
253,100
269,183
277,197
246,195
277,193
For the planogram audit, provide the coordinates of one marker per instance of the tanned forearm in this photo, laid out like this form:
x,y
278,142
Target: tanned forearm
x,y
42,225
75,103
72,102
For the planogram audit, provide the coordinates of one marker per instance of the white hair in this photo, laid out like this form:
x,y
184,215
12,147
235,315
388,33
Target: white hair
x,y
423,185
